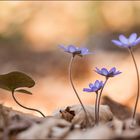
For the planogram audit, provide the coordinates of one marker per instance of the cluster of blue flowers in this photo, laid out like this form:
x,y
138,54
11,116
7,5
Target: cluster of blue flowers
x,y
122,42
100,84
97,86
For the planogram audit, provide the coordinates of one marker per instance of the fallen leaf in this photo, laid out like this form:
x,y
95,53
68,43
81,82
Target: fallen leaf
x,y
67,114
105,114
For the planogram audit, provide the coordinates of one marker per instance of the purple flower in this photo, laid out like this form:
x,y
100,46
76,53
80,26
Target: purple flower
x,y
108,73
94,87
75,50
127,42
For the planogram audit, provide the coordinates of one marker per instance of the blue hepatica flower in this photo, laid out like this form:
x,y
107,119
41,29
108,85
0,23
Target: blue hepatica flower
x,y
127,42
94,87
108,73
75,50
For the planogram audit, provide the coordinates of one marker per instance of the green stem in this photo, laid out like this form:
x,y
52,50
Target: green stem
x,y
72,84
138,82
100,98
13,95
96,109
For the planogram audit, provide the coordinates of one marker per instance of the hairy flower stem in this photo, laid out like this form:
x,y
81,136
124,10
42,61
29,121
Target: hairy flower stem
x,y
13,95
72,84
138,82
96,109
99,99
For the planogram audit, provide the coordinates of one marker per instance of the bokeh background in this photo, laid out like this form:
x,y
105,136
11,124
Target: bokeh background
x,y
31,31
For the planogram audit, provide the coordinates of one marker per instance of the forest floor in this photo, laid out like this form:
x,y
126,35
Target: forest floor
x,y
70,123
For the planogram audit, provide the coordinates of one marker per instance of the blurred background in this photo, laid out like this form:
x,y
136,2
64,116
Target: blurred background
x,y
31,31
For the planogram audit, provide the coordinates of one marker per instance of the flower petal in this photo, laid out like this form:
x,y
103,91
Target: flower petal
x,y
91,85
112,70
97,70
87,90
94,89
97,84
84,51
101,84
118,43
137,41
132,38
104,71
72,48
123,39
62,47
118,72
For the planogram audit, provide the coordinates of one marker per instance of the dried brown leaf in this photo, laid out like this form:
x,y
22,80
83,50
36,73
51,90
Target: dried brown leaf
x,y
67,114
80,119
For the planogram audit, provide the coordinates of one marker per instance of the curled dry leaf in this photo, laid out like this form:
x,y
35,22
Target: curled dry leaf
x,y
67,114
50,128
79,117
